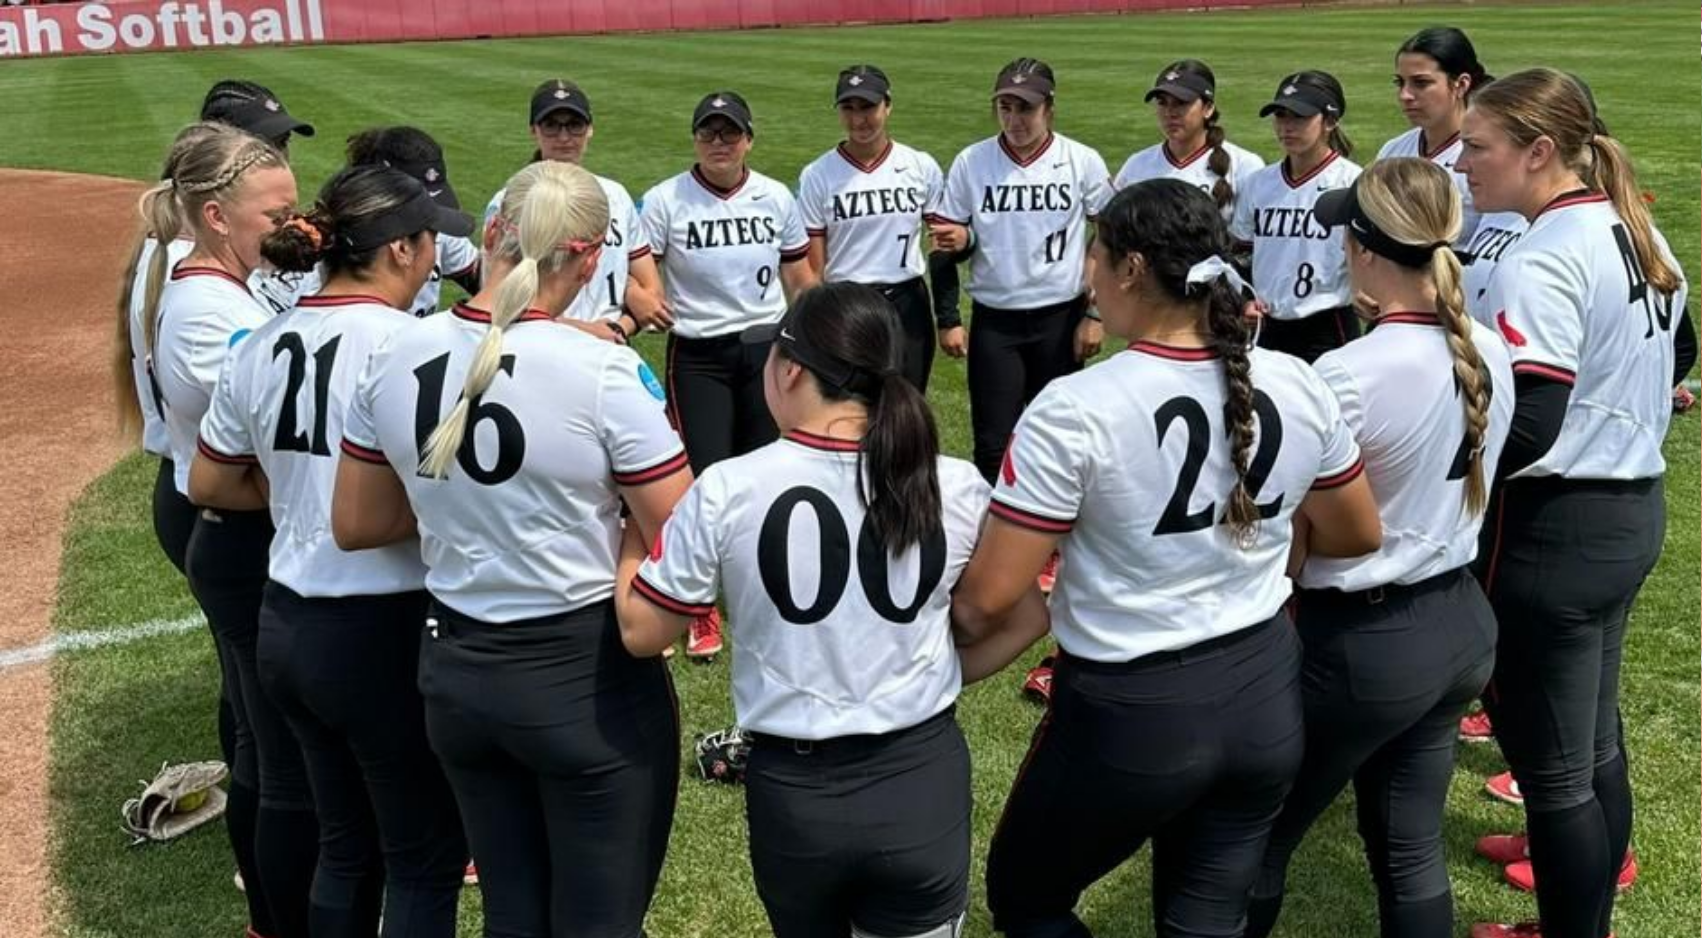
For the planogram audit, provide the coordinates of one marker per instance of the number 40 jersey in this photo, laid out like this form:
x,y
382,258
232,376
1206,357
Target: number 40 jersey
x,y
833,635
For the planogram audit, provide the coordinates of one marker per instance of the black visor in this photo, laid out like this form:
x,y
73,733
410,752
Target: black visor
x,y
1339,207
798,349
419,213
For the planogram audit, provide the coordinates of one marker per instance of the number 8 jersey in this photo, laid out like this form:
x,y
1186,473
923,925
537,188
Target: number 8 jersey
x,y
527,521
1129,461
834,635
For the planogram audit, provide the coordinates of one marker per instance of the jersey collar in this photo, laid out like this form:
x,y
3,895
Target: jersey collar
x,y
1407,318
1430,153
1303,180
1186,161
1569,199
870,166
825,443
1032,157
717,191
473,314
185,271
322,301
1175,353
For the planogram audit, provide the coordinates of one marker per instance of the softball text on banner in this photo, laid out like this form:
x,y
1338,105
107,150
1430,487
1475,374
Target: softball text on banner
x,y
74,29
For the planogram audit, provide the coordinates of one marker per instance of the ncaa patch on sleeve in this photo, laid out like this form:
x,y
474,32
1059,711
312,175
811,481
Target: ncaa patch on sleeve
x,y
238,336
648,378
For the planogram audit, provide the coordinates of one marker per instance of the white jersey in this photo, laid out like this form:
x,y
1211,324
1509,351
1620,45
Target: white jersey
x,y
605,295
282,290
1155,162
155,439
1445,155
1029,218
721,251
870,216
527,522
1129,461
280,403
1397,393
1571,300
832,635
1299,267
1496,233
204,313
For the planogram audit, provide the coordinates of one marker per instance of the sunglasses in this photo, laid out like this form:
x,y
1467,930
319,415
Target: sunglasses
x,y
563,128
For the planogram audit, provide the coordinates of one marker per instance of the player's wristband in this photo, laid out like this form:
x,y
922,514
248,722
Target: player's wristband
x,y
615,327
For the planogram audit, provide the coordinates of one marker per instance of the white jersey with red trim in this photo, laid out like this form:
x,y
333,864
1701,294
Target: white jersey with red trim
x,y
605,294
1397,393
204,312
1155,162
155,438
1572,302
1445,155
832,634
1496,233
456,257
869,216
1129,462
280,403
1029,218
1299,267
527,521
721,251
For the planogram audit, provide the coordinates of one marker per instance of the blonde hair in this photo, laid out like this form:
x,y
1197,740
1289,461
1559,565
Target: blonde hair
x,y
1414,202
552,214
1544,102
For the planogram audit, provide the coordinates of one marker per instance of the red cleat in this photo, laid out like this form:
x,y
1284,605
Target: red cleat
x,y
704,639
1038,684
1521,930
1475,728
1504,787
1523,877
1048,575
1503,849
470,876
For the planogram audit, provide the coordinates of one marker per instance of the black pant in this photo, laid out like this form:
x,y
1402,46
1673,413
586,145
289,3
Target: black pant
x,y
871,831
1193,750
174,517
563,751
715,398
227,561
345,673
1013,354
1564,568
1386,675
916,319
1308,338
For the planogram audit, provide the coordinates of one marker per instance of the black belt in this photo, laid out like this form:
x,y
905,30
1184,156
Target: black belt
x,y
1378,595
1174,656
851,743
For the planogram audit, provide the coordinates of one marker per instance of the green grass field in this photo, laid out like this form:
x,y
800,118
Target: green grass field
x,y
121,711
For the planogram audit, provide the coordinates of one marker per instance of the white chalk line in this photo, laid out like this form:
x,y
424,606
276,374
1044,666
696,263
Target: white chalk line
x,y
101,638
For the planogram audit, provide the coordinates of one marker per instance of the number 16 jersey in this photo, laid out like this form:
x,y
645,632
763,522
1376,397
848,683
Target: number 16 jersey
x,y
833,636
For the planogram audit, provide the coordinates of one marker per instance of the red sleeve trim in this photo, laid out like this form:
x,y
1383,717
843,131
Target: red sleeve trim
x,y
677,607
663,469
816,232
364,453
1552,372
934,218
947,219
791,255
1030,520
1341,478
638,253
228,459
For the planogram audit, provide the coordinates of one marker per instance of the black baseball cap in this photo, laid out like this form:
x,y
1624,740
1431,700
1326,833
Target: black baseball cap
x,y
1339,207
863,83
1187,80
799,349
1024,79
559,94
421,212
728,104
1307,93
434,176
252,107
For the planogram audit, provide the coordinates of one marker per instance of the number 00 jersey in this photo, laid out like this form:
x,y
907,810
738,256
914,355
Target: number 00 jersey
x,y
527,522
834,636
1397,393
281,402
1572,303
1129,462
1299,267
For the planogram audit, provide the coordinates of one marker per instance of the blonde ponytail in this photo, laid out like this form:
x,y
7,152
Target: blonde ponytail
x,y
1616,177
1469,374
552,214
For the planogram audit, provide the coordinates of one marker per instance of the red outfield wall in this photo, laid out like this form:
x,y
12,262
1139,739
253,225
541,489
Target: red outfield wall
x,y
153,25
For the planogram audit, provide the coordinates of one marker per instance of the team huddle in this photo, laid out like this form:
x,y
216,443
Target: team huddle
x,y
445,555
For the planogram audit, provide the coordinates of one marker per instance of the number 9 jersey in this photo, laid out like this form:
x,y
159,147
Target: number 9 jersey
x,y
1129,462
527,522
834,635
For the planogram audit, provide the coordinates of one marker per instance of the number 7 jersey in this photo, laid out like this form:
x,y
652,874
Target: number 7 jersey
x,y
527,521
833,636
1129,462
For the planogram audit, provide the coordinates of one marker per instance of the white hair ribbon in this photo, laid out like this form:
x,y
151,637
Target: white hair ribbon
x,y
1216,268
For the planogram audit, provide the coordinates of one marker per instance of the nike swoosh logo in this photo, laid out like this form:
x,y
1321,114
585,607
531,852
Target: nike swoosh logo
x,y
759,197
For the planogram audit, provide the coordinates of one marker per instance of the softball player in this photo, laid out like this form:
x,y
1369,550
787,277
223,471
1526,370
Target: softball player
x,y
863,204
626,295
1399,642
339,632
1299,269
1436,72
1176,712
228,190
253,107
858,782
1587,301
1184,98
515,442
414,152
733,249
1022,199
